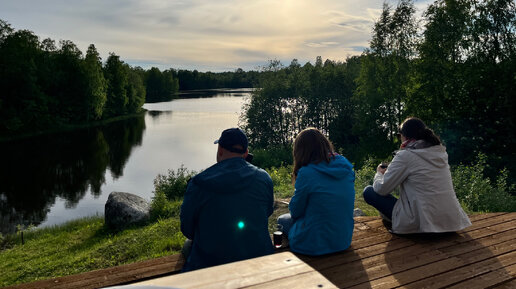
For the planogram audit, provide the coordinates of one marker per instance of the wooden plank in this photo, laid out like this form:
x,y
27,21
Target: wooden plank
x,y
308,280
394,262
506,285
375,232
419,245
241,274
417,255
439,267
493,278
467,272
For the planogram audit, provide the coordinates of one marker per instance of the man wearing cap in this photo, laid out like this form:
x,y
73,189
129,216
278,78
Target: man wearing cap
x,y
226,208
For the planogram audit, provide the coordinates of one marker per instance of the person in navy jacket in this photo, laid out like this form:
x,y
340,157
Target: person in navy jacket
x,y
226,208
321,210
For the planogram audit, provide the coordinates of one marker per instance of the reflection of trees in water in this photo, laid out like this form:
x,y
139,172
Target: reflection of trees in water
x,y
35,171
155,114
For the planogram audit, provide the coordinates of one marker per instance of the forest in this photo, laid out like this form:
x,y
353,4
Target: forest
x,y
455,68
47,86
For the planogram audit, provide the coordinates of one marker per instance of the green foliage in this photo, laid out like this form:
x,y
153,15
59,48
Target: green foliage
x,y
293,98
457,73
96,85
272,157
363,178
193,80
282,181
160,86
478,193
44,86
173,185
117,77
84,245
135,90
162,207
168,193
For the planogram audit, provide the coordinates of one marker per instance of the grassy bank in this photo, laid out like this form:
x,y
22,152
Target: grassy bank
x,y
81,246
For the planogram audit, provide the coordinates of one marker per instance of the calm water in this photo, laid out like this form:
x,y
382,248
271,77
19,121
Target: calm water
x,y
55,178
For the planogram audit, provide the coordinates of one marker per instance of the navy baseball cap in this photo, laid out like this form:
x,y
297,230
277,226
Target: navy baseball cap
x,y
232,137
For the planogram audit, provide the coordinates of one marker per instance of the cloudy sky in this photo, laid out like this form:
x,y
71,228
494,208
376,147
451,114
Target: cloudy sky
x,y
207,35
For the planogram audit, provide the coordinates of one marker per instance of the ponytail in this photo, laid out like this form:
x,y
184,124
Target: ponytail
x,y
430,137
415,128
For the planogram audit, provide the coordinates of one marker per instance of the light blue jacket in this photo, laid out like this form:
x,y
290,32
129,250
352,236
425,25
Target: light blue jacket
x,y
322,208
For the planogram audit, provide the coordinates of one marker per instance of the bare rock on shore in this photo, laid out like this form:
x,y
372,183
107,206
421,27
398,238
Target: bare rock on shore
x,y
125,209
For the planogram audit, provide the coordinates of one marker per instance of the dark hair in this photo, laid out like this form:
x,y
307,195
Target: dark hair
x,y
415,128
310,146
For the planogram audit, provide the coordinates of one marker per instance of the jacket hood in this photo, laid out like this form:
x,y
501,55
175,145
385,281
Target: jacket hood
x,y
338,168
434,155
232,171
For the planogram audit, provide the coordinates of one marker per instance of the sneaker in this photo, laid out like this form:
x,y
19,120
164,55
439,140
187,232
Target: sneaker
x,y
385,217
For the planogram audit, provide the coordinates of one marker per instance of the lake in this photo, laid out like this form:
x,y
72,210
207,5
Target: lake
x,y
51,179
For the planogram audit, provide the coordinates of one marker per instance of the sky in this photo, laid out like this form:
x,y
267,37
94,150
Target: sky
x,y
207,35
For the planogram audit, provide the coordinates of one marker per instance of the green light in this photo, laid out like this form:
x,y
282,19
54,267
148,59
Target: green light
x,y
241,225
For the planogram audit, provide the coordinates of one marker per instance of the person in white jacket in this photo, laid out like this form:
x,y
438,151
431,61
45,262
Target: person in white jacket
x,y
427,202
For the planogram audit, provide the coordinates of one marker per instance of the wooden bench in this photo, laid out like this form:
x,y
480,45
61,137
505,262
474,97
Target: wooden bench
x,y
483,255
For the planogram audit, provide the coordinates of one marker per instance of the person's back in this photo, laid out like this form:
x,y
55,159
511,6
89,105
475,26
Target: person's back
x,y
225,212
321,210
324,220
427,202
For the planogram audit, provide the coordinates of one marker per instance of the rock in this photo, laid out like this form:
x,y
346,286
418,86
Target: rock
x,y
125,209
358,213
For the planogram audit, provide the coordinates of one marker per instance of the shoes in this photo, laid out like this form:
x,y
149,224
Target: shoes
x,y
385,217
386,222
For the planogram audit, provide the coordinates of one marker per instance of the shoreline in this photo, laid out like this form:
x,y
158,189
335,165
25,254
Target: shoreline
x,y
68,127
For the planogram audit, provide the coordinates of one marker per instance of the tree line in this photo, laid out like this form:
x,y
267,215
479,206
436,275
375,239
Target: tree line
x,y
46,85
457,72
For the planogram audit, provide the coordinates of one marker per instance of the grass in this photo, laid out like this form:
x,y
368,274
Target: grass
x,y
81,246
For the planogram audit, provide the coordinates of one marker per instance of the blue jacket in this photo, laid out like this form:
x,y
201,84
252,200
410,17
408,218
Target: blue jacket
x,y
322,208
225,213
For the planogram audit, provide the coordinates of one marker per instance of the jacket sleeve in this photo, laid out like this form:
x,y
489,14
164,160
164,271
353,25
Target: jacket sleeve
x,y
189,210
396,173
297,205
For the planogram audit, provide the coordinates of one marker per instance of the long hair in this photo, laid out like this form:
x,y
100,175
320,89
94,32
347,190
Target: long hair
x,y
310,146
415,128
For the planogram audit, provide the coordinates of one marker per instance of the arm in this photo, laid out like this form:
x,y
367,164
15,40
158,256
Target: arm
x,y
189,210
395,174
297,205
270,192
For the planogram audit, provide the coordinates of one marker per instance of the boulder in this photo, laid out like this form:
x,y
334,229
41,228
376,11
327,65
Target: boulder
x,y
125,209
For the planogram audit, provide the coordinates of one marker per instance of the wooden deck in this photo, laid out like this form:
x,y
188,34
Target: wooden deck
x,y
481,256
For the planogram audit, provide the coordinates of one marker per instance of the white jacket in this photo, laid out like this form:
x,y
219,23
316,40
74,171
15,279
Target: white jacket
x,y
427,200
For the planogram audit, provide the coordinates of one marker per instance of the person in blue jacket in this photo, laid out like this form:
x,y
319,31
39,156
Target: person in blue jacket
x,y
321,210
226,208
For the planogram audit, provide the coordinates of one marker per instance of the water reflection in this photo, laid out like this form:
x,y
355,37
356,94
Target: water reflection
x,y
36,171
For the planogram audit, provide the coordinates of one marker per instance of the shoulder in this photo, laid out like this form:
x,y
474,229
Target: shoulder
x,y
308,171
402,155
342,160
260,173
